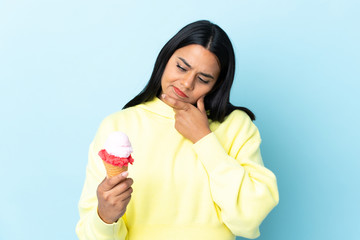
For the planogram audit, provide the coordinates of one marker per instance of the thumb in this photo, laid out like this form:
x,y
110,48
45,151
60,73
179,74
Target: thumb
x,y
201,105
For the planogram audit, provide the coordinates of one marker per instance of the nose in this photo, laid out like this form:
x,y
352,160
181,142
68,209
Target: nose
x,y
188,81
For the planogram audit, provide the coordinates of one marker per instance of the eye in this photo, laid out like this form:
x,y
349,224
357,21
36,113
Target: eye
x,y
203,81
180,68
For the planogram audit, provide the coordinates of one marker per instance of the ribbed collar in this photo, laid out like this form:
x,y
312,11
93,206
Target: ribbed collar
x,y
159,107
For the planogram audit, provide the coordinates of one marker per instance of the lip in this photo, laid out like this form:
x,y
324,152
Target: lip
x,y
179,93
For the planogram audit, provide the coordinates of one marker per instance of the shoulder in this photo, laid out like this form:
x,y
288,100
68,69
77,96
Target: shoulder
x,y
238,115
238,123
117,121
123,120
238,118
122,116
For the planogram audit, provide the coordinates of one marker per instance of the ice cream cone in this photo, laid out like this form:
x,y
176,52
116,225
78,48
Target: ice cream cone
x,y
112,170
116,154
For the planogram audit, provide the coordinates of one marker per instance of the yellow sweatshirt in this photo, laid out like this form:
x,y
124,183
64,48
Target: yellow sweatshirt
x,y
214,189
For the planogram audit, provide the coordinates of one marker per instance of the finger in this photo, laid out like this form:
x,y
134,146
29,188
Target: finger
x,y
126,195
201,105
111,182
122,187
127,200
179,105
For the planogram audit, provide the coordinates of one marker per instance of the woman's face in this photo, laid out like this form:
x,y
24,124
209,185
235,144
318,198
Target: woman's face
x,y
190,73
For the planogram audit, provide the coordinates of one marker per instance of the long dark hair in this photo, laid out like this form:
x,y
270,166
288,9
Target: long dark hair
x,y
214,39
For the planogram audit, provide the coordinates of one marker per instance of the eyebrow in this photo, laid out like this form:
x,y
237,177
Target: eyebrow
x,y
187,64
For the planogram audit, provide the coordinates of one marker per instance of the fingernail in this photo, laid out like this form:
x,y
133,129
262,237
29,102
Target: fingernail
x,y
125,174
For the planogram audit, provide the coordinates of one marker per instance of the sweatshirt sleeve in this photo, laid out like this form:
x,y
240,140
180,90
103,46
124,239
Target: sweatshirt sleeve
x,y
243,189
90,225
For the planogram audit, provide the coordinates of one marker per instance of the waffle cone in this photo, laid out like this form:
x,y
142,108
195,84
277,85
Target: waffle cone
x,y
112,170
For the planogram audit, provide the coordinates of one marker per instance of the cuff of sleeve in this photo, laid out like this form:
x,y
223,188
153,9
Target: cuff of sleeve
x,y
105,230
212,154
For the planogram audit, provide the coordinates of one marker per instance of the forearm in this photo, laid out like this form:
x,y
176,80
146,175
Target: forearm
x,y
244,190
90,225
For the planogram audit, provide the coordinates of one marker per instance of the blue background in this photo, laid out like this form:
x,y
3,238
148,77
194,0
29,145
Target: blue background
x,y
65,65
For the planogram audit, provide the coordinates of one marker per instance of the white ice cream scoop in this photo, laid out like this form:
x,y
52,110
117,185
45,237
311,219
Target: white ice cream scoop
x,y
118,144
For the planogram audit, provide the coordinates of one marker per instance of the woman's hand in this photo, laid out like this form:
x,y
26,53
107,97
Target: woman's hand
x,y
114,195
191,122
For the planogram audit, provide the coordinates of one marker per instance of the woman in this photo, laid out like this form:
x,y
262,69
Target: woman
x,y
198,172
